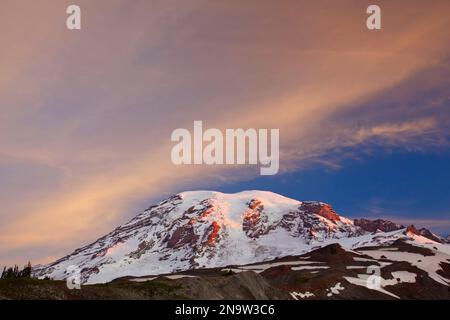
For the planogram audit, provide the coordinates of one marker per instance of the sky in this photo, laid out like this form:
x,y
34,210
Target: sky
x,y
86,116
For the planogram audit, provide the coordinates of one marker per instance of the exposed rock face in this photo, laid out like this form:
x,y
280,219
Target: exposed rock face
x,y
182,236
254,221
377,225
321,209
412,229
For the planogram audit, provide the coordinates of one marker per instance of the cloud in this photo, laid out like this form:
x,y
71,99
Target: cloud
x,y
96,108
396,132
343,142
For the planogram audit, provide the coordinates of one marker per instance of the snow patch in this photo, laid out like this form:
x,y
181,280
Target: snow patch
x,y
301,295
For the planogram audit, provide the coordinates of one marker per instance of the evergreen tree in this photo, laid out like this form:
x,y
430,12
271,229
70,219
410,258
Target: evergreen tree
x,y
14,272
26,272
9,272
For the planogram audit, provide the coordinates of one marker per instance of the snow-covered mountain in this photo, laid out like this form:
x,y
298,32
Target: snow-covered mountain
x,y
206,229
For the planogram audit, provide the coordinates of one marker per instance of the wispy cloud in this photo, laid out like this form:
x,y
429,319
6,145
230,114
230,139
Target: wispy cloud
x,y
396,133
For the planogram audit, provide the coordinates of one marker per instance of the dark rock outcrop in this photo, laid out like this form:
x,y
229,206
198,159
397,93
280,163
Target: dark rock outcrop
x,y
377,225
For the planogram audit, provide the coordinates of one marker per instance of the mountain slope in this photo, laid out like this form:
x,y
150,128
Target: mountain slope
x,y
205,229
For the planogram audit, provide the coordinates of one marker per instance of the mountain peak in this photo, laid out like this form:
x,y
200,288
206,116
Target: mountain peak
x,y
412,229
